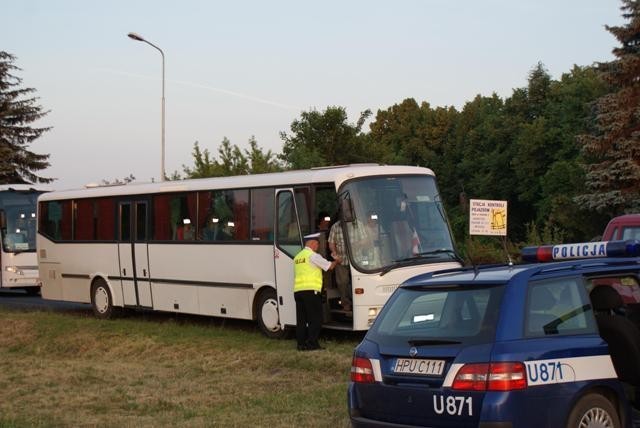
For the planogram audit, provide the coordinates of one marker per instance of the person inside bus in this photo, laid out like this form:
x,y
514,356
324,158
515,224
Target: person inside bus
x,y
307,291
339,252
208,232
324,224
184,232
370,243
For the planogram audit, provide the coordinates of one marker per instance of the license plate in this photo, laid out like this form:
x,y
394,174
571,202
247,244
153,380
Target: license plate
x,y
419,367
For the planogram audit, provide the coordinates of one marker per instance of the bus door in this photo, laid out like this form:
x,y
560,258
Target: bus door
x,y
287,244
133,253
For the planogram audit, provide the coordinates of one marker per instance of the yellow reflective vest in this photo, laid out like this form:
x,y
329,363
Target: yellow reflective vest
x,y
307,275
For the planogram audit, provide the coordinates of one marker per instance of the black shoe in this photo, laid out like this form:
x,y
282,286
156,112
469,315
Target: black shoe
x,y
303,348
314,348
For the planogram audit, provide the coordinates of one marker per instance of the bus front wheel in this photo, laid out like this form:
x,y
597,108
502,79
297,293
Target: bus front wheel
x,y
267,314
101,300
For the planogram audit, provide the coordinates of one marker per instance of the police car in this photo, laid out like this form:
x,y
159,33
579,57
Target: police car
x,y
529,345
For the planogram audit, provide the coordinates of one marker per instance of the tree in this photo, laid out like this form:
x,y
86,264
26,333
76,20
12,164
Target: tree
x,y
612,149
18,109
118,181
232,161
260,161
413,134
326,138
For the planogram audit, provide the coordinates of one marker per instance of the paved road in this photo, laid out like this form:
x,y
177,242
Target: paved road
x,y
18,299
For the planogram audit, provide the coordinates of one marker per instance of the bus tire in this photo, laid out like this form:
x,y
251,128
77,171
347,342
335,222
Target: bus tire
x,y
267,314
32,291
101,300
593,410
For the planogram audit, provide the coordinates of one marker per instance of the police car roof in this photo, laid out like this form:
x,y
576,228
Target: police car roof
x,y
479,274
502,274
596,256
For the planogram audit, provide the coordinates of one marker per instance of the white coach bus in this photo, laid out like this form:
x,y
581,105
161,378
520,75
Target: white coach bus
x,y
18,258
224,246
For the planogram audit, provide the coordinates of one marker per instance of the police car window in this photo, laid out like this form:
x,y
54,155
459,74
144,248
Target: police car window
x,y
461,314
558,307
628,287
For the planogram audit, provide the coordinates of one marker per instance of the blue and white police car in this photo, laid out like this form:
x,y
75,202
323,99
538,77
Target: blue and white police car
x,y
530,345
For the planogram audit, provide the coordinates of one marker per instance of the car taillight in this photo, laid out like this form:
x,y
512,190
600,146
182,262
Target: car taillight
x,y
501,376
362,370
472,377
507,377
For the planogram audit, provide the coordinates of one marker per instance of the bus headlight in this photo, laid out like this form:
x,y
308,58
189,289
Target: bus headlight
x,y
14,269
373,313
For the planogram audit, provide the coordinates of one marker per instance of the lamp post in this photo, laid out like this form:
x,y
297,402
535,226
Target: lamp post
x,y
139,38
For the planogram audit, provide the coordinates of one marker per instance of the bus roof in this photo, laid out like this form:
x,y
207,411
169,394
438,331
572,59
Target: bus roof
x,y
337,175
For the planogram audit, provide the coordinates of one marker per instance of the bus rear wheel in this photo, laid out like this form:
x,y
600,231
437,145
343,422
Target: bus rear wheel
x,y
101,300
593,411
268,316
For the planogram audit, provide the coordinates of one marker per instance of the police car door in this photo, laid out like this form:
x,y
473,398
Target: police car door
x,y
560,346
287,244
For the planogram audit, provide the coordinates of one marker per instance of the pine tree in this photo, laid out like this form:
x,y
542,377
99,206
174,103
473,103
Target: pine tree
x,y
18,109
612,150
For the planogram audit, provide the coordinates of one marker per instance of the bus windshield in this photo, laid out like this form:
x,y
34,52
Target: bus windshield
x,y
397,220
19,226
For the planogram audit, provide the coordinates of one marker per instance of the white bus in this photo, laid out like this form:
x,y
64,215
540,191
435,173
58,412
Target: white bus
x,y
18,258
224,246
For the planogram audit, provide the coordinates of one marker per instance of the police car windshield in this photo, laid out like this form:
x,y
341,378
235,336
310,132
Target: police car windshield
x,y
427,317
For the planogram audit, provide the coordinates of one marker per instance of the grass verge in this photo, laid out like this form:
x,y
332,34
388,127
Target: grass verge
x,y
65,369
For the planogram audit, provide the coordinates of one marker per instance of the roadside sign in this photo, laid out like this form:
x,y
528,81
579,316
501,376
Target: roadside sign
x,y
487,217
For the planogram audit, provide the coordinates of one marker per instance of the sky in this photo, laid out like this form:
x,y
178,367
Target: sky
x,y
243,68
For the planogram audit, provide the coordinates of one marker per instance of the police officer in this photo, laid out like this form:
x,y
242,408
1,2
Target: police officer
x,y
307,288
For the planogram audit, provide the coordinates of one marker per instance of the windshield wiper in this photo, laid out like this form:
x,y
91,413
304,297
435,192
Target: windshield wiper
x,y
420,256
423,342
452,253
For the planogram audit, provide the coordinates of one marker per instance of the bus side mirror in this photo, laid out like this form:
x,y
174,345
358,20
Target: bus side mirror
x,y
346,208
3,219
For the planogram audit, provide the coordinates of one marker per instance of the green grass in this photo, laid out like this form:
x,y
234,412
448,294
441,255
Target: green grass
x,y
69,369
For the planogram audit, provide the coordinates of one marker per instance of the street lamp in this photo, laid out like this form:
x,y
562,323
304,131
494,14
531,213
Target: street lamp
x,y
139,38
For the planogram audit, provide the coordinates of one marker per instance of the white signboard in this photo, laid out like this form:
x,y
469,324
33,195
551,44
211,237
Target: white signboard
x,y
487,217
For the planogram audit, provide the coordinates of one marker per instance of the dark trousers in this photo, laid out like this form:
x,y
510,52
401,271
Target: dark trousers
x,y
308,318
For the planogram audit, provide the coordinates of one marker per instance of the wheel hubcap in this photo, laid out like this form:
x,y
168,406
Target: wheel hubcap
x,y
269,315
596,418
101,299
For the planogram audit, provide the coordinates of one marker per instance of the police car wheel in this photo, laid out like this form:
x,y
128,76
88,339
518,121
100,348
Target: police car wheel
x,y
267,314
593,411
101,300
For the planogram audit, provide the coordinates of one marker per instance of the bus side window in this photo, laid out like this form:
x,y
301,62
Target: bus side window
x,y
262,214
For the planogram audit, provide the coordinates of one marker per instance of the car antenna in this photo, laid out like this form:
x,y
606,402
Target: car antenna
x,y
473,263
506,251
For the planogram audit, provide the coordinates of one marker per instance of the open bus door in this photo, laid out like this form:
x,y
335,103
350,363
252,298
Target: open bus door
x,y
287,243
